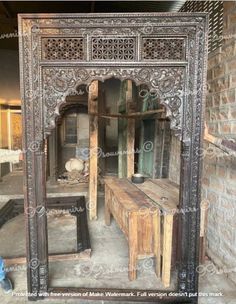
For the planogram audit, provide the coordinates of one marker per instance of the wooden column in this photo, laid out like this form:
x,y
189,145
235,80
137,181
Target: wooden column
x,y
102,128
167,249
53,156
130,130
93,145
133,245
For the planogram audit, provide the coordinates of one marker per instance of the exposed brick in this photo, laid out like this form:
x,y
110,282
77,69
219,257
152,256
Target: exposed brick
x,y
223,114
207,115
209,101
232,81
213,198
228,51
206,181
209,74
212,128
232,112
214,60
216,183
225,23
233,128
233,175
231,65
219,71
223,83
222,171
231,189
219,171
226,233
210,169
227,203
227,97
228,5
225,128
214,114
216,100
232,19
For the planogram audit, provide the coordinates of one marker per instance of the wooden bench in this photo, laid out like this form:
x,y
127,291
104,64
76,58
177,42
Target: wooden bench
x,y
145,214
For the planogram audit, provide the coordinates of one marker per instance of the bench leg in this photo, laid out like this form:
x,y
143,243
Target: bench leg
x,y
107,210
133,245
157,241
167,249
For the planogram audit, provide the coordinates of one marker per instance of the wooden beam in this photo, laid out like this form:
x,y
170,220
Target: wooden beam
x,y
93,145
131,115
53,257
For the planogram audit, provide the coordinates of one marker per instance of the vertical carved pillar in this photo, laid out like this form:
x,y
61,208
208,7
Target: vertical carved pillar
x,y
53,156
185,183
36,218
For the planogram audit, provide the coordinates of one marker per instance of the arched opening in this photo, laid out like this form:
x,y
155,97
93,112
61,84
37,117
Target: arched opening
x,y
133,133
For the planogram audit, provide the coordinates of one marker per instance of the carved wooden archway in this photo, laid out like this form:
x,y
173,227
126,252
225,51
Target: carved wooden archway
x,y
165,51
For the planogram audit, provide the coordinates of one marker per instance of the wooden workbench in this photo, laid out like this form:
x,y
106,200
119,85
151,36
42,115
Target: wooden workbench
x,y
145,214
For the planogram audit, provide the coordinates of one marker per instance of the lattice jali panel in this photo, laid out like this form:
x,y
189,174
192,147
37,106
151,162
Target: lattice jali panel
x,y
163,49
63,48
114,49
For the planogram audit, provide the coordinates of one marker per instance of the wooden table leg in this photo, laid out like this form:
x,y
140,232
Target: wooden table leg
x,y
157,240
167,249
133,245
107,210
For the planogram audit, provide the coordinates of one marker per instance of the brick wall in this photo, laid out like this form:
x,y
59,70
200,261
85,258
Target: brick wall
x,y
219,169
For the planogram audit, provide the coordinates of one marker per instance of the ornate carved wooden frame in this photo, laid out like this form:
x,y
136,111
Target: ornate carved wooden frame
x,y
165,51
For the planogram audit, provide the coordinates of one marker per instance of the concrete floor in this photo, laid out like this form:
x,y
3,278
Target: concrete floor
x,y
12,186
107,266
61,235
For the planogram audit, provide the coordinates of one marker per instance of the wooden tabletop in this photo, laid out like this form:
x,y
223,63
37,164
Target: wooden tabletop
x,y
161,192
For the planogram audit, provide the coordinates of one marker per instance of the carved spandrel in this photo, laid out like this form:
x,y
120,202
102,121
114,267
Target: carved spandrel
x,y
166,82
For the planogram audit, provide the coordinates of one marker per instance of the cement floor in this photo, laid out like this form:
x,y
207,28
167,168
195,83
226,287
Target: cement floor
x,y
106,268
12,186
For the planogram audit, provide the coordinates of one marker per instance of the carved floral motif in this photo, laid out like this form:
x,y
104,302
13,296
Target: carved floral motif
x,y
167,83
44,89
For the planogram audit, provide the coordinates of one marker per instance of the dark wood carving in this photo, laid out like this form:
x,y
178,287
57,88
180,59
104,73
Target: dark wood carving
x,y
179,80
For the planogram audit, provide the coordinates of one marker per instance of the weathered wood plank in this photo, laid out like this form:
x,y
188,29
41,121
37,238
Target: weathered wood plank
x,y
133,245
131,115
150,228
54,257
164,197
93,145
167,249
157,242
132,197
